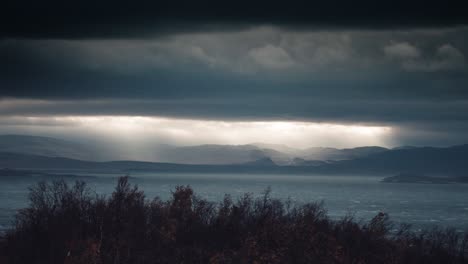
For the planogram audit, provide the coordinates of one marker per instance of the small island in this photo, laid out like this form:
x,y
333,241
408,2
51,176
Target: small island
x,y
419,178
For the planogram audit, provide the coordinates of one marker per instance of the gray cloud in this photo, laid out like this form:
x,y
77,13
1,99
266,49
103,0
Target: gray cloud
x,y
402,50
272,57
254,108
239,52
446,58
397,77
121,19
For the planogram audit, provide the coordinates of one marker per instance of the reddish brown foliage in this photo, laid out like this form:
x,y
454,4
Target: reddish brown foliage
x,y
70,225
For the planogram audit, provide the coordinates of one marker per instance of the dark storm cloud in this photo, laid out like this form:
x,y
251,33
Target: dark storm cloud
x,y
256,109
392,63
266,62
123,19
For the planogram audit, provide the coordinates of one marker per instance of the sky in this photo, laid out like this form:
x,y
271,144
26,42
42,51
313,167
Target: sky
x,y
298,73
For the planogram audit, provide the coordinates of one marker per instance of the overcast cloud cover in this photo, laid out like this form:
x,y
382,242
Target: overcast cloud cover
x,y
401,65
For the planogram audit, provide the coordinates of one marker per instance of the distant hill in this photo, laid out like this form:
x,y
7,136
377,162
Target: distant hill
x,y
303,162
201,154
281,155
220,154
46,153
334,154
44,146
448,162
404,147
31,161
36,162
261,162
422,179
323,154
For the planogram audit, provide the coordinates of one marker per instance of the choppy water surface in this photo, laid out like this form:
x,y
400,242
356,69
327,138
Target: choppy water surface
x,y
421,205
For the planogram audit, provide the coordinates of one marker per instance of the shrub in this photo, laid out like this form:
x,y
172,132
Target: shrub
x,y
66,224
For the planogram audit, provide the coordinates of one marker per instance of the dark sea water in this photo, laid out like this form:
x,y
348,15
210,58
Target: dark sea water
x,y
421,205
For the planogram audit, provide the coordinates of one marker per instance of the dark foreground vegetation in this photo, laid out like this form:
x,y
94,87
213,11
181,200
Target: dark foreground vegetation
x,y
70,224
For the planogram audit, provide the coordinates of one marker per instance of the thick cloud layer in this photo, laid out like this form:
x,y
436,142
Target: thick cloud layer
x,y
122,19
388,65
393,66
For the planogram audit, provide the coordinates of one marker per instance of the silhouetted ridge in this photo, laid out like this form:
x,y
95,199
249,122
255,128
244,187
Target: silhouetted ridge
x,y
261,162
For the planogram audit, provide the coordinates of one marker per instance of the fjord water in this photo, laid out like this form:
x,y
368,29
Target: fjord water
x,y
421,205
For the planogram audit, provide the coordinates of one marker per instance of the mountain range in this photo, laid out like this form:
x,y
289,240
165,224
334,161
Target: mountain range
x,y
30,152
209,154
